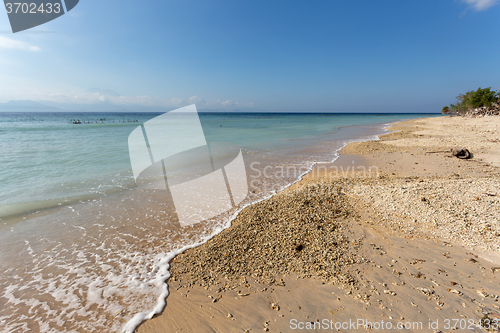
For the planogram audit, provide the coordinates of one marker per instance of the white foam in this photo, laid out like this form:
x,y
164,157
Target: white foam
x,y
163,265
101,273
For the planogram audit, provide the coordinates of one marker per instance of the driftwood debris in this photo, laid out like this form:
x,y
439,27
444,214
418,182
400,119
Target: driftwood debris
x,y
462,153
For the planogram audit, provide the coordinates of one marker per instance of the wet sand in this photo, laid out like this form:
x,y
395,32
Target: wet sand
x,y
395,232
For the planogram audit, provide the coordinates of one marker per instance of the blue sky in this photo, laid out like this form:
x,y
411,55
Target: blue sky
x,y
307,55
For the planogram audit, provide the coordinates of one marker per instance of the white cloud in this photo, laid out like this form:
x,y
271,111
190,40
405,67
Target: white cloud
x,y
196,100
106,96
96,96
8,43
230,103
480,5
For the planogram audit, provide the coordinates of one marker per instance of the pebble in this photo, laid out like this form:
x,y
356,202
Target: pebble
x,y
450,210
300,232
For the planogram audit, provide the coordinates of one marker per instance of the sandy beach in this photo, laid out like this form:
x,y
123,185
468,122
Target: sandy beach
x,y
396,235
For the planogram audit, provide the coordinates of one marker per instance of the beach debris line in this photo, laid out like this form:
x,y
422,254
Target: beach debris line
x,y
100,121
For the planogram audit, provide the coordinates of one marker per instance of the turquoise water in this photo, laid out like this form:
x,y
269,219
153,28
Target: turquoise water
x,y
79,240
45,156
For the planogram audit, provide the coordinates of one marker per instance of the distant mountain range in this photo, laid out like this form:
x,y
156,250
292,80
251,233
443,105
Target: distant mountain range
x,y
46,106
27,106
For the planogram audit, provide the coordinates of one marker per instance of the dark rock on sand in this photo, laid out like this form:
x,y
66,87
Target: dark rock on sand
x,y
462,153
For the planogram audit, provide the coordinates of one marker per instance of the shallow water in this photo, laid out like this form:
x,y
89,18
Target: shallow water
x,y
82,248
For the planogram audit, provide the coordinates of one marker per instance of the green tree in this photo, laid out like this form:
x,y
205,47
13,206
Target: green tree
x,y
478,98
474,99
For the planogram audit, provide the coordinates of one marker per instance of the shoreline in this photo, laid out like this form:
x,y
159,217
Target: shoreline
x,y
117,241
140,318
133,324
369,151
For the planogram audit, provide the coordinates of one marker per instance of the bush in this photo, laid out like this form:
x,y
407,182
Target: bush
x,y
446,110
473,100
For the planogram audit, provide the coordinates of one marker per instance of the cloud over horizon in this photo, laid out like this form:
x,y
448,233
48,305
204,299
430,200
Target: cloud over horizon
x,y
106,96
8,43
480,5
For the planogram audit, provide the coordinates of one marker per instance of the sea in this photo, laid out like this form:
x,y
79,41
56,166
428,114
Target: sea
x,y
83,248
